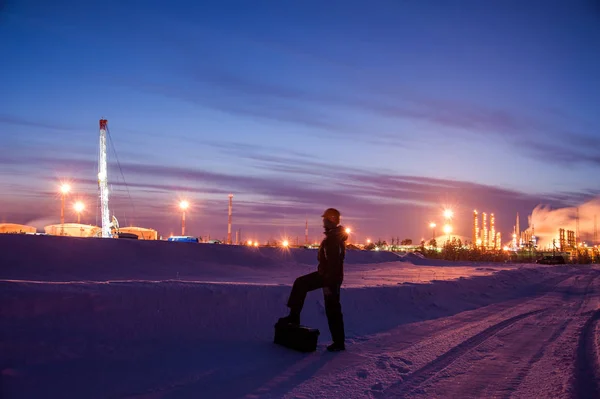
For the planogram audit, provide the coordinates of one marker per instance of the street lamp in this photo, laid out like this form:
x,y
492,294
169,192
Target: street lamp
x,y
183,205
79,207
432,225
447,230
448,214
64,190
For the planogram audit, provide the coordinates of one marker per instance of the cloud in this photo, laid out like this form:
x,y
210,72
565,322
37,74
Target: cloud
x,y
373,203
283,102
261,108
19,121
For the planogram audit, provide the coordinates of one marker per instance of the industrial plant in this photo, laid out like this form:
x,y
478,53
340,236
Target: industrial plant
x,y
484,236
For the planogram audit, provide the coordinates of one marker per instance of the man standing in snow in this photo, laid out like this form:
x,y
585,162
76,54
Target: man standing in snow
x,y
329,277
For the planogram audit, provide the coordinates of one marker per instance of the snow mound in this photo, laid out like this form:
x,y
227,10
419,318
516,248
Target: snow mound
x,y
418,259
71,258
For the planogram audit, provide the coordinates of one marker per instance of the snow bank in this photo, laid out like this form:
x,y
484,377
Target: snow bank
x,y
52,258
131,338
179,311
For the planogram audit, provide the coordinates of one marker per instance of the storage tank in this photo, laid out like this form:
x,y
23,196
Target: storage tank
x,y
141,232
72,230
13,228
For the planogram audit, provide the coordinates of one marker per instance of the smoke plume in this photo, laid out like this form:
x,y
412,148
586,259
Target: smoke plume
x,y
547,221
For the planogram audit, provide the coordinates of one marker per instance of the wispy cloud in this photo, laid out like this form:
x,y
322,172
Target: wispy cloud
x,y
369,200
284,102
20,121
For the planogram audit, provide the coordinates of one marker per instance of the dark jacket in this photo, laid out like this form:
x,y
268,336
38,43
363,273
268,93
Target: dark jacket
x,y
332,252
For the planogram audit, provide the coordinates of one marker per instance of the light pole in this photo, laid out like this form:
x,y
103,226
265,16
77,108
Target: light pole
x,y
432,225
64,190
183,205
79,207
447,230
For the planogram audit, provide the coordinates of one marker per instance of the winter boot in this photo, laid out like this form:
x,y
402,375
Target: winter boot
x,y
292,319
336,347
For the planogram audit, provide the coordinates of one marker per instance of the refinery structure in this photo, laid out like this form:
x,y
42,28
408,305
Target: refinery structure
x,y
484,236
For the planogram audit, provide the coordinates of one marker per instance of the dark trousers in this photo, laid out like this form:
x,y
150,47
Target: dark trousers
x,y
331,294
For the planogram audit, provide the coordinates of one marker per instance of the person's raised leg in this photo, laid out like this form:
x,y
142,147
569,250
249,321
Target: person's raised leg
x,y
302,286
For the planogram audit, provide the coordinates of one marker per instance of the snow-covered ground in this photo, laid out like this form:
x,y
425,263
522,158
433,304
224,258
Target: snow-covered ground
x,y
117,318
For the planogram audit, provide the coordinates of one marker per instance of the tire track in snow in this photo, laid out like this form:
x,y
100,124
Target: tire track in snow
x,y
520,377
415,379
587,367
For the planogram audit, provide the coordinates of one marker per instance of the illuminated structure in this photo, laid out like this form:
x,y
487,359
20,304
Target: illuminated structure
x,y
475,238
79,207
12,228
229,219
485,238
103,182
183,205
306,233
64,190
518,232
142,233
492,239
595,230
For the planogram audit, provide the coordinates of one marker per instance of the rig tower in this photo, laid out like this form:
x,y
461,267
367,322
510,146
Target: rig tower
x,y
103,181
229,219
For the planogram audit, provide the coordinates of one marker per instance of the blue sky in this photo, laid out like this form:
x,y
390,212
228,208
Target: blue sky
x,y
388,110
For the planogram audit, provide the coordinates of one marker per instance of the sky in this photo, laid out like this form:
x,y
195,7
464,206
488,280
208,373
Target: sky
x,y
389,111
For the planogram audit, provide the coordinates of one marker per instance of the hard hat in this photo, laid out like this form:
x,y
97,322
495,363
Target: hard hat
x,y
332,214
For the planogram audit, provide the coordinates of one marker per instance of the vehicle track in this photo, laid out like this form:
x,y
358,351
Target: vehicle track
x,y
520,377
417,378
587,367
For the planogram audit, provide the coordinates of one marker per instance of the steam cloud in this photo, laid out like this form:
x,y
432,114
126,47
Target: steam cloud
x,y
547,221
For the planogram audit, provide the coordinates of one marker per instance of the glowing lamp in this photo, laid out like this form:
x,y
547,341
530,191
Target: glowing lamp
x,y
79,207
